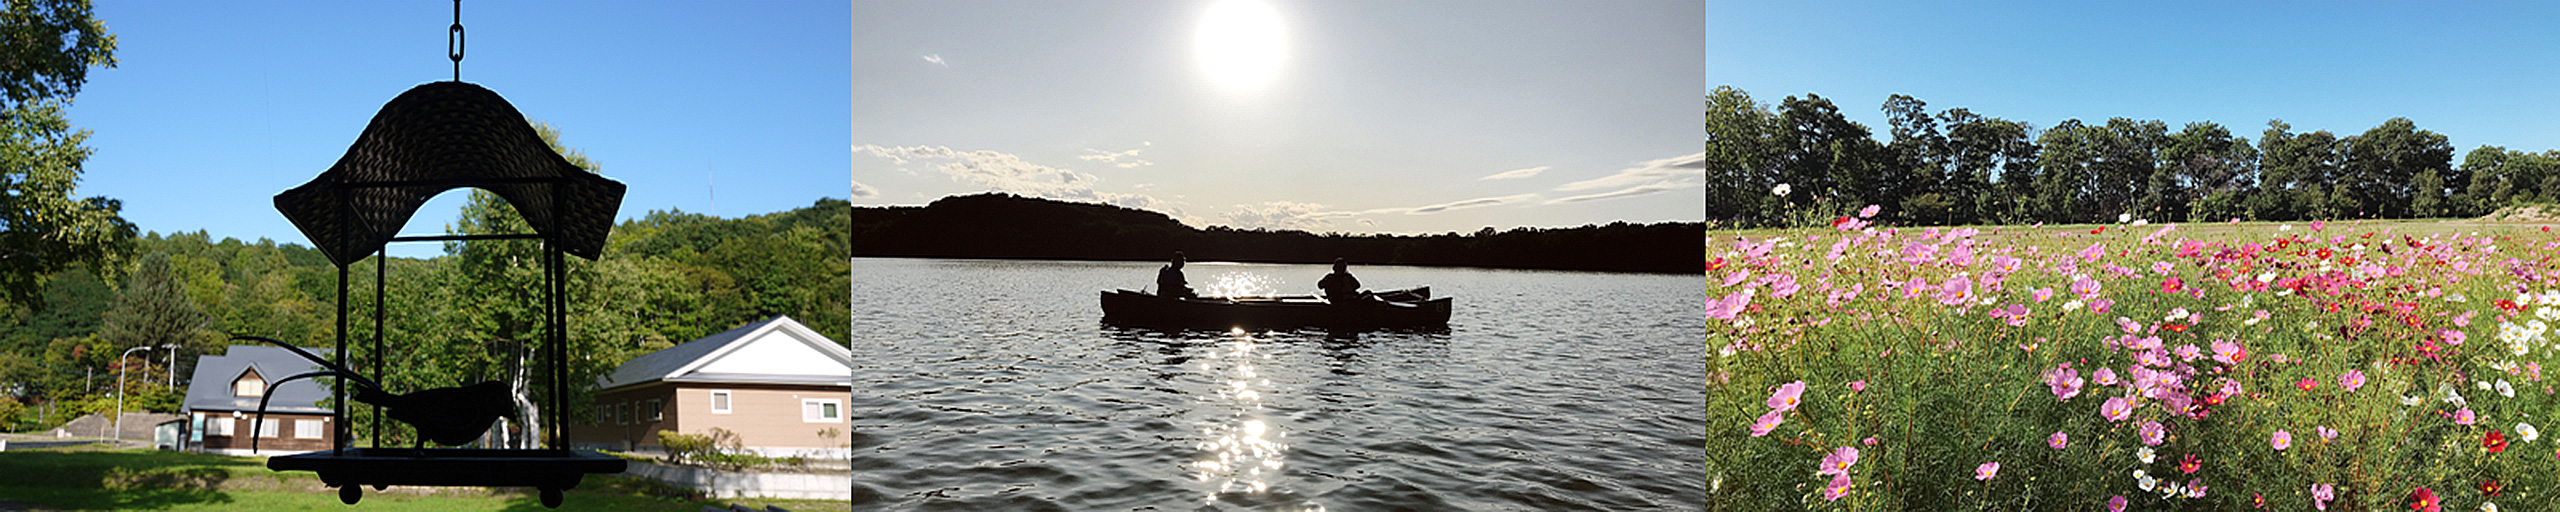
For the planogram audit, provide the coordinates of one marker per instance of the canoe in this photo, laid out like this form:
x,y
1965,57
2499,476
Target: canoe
x,y
1399,308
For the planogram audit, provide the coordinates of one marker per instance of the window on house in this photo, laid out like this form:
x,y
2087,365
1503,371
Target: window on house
x,y
657,410
268,428
622,413
249,385
221,426
306,429
719,402
821,410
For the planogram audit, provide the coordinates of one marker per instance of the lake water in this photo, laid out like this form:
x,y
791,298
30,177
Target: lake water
x,y
994,385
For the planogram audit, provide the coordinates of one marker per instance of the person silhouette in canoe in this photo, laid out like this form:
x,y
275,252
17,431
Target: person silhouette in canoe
x,y
1169,283
1339,287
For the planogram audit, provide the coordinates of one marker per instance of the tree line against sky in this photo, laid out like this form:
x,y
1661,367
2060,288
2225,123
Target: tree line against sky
x,y
1802,161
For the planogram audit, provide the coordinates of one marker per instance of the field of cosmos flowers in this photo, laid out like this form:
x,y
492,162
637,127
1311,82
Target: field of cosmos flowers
x,y
2311,366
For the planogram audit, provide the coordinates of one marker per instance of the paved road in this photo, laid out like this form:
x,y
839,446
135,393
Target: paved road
x,y
28,444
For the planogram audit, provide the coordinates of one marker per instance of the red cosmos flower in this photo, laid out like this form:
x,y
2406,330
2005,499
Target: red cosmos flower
x,y
2306,384
2491,487
1838,221
2177,327
2424,500
2191,464
2509,305
2324,253
2103,229
2496,442
2173,284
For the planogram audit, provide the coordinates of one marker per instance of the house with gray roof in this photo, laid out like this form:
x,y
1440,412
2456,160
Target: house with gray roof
x,y
779,386
222,404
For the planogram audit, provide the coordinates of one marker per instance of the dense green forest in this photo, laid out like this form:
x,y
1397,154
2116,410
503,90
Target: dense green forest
x,y
1804,162
1000,225
665,278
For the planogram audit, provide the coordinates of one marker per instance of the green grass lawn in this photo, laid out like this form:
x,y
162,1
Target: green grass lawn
x,y
95,479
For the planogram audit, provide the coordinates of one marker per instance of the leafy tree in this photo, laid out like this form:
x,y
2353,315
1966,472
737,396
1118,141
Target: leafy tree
x,y
1741,154
50,46
2383,163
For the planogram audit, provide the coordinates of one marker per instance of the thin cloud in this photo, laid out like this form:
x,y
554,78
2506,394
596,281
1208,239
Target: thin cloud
x,y
861,190
1471,203
1679,172
1124,159
1004,172
1520,173
1280,215
936,59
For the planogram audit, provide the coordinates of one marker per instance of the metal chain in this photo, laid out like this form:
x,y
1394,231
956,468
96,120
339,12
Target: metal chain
x,y
453,41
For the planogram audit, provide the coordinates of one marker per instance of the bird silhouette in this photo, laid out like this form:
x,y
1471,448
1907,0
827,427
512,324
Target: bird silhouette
x,y
449,416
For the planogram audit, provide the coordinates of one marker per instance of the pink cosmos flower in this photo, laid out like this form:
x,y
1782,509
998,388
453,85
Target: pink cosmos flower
x,y
1860,385
2064,381
2105,377
1986,471
1731,305
1768,422
2321,494
2015,315
2100,305
2153,433
2116,504
2463,416
2058,440
2351,380
1838,487
1956,291
2116,409
1737,277
2228,352
2326,434
2094,252
1869,212
1787,396
2129,326
2188,352
2281,440
2086,288
1870,441
2451,337
2043,294
1838,462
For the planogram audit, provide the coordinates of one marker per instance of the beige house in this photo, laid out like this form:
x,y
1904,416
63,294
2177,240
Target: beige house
x,y
781,387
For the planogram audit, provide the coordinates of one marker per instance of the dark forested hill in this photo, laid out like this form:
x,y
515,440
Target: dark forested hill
x,y
1008,226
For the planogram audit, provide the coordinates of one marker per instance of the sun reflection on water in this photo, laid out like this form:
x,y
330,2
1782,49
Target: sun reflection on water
x,y
1241,284
1241,452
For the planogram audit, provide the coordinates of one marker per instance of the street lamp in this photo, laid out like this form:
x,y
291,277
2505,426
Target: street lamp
x,y
173,366
120,371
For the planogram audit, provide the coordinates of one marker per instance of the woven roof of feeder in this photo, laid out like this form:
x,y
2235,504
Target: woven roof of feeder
x,y
438,137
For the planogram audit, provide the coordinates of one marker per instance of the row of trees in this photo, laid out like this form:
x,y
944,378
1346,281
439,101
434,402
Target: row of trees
x,y
1958,167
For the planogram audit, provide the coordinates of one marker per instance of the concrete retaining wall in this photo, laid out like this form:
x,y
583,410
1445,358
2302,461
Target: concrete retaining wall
x,y
724,484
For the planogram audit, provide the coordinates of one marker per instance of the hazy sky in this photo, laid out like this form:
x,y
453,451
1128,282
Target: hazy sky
x,y
2480,73
1402,117
217,106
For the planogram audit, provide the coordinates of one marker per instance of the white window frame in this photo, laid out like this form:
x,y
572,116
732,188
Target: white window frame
x,y
722,402
813,410
221,426
238,388
657,410
269,429
309,429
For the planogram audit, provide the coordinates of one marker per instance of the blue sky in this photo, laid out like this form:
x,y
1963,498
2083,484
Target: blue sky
x,y
215,107
1397,117
2480,73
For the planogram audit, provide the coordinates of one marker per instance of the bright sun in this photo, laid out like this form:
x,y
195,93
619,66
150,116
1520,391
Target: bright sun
x,y
1240,44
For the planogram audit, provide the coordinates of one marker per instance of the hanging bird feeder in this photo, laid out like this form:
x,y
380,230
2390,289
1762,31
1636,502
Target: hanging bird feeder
x,y
433,138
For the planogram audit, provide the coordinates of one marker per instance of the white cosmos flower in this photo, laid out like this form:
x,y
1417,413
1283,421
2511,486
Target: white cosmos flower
x,y
2145,454
1781,190
2124,217
2527,431
2506,390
